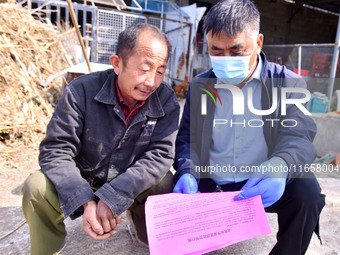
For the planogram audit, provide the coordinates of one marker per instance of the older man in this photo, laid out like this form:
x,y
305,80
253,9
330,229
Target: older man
x,y
256,145
110,139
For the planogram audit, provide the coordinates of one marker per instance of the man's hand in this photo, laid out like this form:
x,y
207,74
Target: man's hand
x,y
270,185
92,224
106,218
270,189
186,184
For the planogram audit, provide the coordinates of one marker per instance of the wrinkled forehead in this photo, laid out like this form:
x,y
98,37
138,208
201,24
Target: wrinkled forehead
x,y
152,45
152,53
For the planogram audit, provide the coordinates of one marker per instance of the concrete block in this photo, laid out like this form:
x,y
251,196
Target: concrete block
x,y
328,135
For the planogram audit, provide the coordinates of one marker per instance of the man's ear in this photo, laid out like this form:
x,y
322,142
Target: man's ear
x,y
259,44
116,62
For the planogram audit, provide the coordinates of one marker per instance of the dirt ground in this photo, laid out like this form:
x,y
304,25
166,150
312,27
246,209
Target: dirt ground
x,y
17,163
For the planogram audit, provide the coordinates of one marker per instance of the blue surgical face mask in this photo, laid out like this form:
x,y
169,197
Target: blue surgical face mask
x,y
231,70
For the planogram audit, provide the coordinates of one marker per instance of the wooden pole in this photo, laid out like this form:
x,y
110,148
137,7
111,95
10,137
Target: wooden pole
x,y
75,23
335,59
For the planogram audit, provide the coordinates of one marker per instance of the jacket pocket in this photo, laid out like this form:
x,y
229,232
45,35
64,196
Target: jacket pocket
x,y
146,134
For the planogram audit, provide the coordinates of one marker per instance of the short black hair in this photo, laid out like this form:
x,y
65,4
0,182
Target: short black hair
x,y
127,39
232,17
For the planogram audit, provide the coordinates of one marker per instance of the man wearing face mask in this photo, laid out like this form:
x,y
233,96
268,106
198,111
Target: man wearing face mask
x,y
211,157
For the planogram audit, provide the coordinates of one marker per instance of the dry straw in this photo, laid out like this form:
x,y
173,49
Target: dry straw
x,y
30,51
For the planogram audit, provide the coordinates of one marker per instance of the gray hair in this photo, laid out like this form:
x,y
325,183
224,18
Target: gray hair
x,y
127,39
232,17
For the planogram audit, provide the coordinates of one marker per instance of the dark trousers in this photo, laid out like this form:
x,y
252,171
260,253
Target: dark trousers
x,y
298,212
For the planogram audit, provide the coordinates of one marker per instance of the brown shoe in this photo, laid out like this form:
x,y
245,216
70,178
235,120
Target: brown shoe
x,y
132,227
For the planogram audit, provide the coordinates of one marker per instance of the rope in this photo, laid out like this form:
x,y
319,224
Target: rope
x,y
19,225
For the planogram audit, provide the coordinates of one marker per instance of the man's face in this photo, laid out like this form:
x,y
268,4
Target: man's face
x,y
144,71
241,44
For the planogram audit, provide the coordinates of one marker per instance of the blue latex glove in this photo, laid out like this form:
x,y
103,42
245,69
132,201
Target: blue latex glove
x,y
270,185
186,184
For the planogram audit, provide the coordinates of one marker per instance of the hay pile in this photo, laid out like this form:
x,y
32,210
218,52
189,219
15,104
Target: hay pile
x,y
30,51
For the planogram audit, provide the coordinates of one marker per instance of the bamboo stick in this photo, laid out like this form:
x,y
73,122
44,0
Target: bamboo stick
x,y
75,23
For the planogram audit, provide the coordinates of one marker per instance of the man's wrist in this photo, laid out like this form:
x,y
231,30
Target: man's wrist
x,y
278,166
181,172
89,203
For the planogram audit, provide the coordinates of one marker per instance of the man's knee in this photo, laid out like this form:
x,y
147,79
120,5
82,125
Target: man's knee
x,y
306,193
37,187
165,185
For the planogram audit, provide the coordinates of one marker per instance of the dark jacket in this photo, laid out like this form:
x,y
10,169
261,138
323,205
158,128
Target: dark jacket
x,y
88,144
292,144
